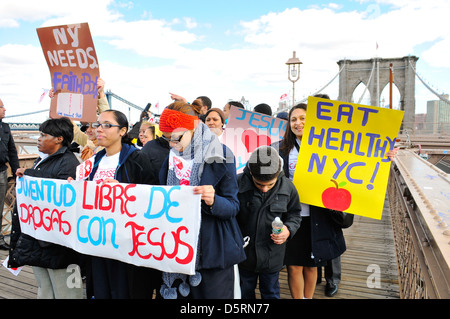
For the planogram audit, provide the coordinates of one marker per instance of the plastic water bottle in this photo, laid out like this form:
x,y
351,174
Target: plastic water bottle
x,y
277,226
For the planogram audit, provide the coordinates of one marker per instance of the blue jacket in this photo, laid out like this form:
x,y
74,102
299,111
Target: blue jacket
x,y
221,242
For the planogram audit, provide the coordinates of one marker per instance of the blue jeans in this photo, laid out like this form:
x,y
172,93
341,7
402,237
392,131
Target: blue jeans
x,y
269,286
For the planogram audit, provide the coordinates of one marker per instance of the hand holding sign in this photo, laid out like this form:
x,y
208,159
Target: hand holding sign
x,y
144,225
71,58
207,192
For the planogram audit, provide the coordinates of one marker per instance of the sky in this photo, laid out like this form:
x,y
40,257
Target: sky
x,y
225,50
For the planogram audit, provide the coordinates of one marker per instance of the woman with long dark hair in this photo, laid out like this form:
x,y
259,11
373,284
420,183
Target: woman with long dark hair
x,y
319,237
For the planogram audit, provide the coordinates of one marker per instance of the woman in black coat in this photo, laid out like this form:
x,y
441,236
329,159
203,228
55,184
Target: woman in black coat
x,y
49,261
119,162
320,236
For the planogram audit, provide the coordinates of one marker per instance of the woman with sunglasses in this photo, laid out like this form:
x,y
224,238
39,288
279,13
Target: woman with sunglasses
x,y
118,162
158,148
198,159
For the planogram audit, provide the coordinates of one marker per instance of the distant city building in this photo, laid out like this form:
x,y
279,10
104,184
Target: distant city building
x,y
438,116
283,106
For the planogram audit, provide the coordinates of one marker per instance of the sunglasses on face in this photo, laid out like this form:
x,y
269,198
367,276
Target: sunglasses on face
x,y
174,140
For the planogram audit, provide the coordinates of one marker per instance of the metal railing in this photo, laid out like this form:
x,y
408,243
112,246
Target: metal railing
x,y
436,129
423,272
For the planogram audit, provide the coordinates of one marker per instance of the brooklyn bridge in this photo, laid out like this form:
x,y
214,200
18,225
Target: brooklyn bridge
x,y
405,255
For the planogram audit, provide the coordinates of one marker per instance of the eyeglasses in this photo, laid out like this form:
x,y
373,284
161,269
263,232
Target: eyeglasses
x,y
104,125
175,140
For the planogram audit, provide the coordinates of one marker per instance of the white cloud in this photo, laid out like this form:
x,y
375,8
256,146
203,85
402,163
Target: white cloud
x,y
24,74
438,54
335,6
321,37
8,23
190,23
151,38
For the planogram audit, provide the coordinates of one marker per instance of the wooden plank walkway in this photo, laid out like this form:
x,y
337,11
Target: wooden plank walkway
x,y
369,242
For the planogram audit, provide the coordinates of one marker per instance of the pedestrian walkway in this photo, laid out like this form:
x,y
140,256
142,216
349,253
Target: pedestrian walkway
x,y
370,252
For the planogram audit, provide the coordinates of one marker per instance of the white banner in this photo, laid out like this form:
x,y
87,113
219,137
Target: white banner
x,y
144,225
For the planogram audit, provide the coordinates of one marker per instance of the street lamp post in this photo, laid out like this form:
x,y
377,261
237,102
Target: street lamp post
x,y
293,73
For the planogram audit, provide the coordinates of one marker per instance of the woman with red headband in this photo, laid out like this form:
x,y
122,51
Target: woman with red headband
x,y
210,167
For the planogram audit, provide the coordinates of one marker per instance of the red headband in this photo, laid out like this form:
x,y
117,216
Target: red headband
x,y
171,120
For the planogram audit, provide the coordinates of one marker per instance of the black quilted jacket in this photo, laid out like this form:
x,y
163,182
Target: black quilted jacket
x,y
24,249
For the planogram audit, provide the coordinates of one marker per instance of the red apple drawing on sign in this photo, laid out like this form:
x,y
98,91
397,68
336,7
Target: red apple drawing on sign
x,y
337,198
252,140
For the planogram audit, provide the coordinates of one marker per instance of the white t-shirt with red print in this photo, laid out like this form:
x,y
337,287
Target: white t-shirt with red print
x,y
181,167
107,167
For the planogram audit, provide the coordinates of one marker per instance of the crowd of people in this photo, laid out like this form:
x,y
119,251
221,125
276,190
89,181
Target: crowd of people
x,y
233,206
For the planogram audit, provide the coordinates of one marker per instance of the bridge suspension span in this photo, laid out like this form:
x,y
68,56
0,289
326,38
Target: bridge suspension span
x,y
32,120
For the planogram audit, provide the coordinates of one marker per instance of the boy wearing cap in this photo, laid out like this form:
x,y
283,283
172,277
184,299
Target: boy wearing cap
x,y
265,193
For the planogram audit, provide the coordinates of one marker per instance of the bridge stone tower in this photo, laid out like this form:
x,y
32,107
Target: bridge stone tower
x,y
357,71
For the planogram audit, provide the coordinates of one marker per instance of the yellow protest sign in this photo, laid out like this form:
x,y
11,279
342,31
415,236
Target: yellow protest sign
x,y
341,163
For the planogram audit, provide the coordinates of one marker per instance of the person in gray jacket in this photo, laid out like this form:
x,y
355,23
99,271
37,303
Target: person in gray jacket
x,y
264,194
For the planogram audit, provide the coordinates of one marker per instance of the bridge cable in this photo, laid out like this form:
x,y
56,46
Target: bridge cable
x,y
368,83
428,87
31,113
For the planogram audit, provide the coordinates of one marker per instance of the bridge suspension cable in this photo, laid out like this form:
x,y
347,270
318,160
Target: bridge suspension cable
x,y
368,82
110,94
30,113
20,118
428,87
